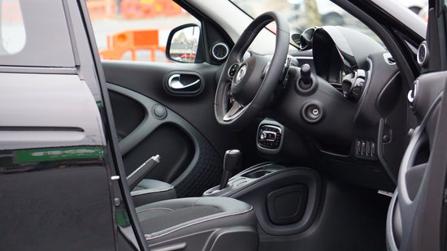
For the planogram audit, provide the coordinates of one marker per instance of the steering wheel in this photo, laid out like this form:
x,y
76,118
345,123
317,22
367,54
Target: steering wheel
x,y
246,85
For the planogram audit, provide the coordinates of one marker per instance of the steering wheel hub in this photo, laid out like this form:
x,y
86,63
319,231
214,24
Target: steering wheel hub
x,y
240,75
248,79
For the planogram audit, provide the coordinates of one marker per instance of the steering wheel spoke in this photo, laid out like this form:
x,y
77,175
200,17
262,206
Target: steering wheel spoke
x,y
234,111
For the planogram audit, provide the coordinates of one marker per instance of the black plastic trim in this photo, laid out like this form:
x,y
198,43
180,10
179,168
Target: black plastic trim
x,y
203,153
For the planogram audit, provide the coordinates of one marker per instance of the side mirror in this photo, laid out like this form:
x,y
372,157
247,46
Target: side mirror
x,y
183,43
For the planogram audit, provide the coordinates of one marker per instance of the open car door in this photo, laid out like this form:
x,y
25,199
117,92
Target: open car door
x,y
59,189
416,217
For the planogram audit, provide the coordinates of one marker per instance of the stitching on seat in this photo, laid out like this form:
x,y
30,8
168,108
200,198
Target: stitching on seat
x,y
192,223
156,208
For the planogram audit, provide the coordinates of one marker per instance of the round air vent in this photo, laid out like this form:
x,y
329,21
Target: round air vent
x,y
220,51
423,54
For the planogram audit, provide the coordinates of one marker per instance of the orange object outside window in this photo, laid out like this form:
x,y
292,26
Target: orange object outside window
x,y
132,41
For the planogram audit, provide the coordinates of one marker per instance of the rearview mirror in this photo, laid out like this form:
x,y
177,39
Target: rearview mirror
x,y
183,42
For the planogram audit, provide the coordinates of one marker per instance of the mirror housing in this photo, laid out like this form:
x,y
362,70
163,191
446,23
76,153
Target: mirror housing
x,y
182,44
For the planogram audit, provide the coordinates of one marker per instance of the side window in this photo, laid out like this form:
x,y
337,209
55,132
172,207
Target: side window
x,y
12,29
138,30
23,42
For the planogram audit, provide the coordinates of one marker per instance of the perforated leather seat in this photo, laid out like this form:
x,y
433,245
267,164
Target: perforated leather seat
x,y
216,223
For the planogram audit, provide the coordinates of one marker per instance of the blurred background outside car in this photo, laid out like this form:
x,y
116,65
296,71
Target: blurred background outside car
x,y
138,29
135,29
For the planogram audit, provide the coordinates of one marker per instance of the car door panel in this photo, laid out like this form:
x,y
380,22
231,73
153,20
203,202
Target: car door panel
x,y
149,79
187,157
189,140
54,183
58,186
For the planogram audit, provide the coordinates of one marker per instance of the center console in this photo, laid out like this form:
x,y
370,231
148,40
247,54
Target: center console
x,y
285,198
238,183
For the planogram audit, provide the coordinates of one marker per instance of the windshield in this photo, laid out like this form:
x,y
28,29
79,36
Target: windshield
x,y
302,14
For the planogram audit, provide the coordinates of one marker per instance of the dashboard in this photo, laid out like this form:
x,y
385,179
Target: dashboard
x,y
352,112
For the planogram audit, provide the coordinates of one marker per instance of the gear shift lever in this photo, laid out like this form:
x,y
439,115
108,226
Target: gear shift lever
x,y
232,162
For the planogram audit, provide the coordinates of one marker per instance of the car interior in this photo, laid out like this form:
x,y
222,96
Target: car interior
x,y
296,149
251,134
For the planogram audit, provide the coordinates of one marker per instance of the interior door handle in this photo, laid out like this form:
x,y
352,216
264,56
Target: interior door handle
x,y
176,84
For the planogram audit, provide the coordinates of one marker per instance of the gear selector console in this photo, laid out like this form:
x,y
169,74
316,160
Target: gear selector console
x,y
243,179
285,198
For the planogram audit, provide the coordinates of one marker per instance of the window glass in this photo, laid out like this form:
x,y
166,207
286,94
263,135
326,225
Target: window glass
x,y
12,36
419,7
135,29
303,14
34,33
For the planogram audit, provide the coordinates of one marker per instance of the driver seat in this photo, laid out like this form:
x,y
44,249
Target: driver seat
x,y
199,223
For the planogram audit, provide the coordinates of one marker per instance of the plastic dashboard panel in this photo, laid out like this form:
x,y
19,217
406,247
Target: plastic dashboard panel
x,y
202,172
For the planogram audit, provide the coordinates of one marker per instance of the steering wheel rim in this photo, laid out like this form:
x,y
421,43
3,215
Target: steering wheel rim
x,y
240,97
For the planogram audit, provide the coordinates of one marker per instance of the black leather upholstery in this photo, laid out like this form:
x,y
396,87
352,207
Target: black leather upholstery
x,y
149,191
179,219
